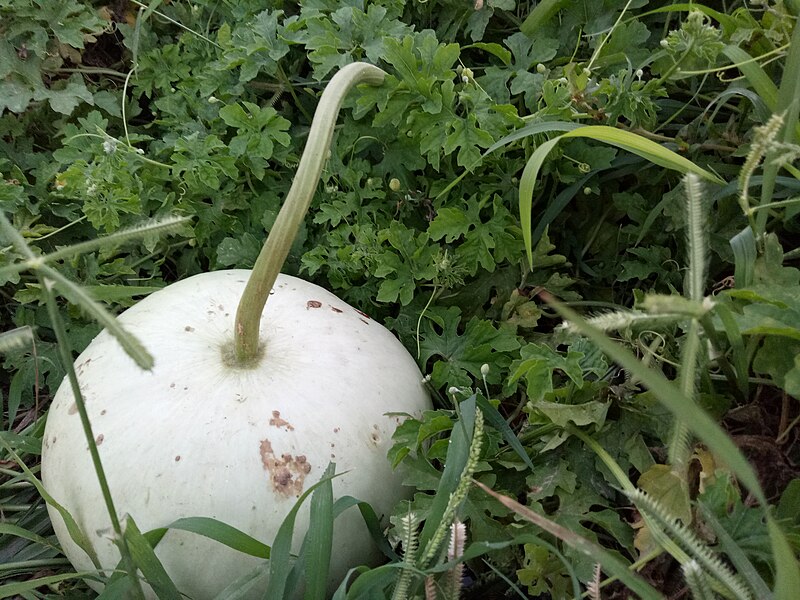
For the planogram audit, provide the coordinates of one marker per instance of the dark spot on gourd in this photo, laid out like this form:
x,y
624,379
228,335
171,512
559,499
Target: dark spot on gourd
x,y
102,412
287,473
335,430
171,385
282,477
364,321
99,439
188,328
363,314
313,304
277,421
336,310
178,458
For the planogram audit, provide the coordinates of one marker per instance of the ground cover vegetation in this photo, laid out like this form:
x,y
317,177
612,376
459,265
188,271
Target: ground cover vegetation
x,y
579,217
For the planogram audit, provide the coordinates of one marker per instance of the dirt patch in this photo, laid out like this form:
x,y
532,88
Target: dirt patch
x,y
287,473
277,421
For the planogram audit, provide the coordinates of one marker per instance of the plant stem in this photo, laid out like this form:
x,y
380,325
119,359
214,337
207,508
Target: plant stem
x,y
276,248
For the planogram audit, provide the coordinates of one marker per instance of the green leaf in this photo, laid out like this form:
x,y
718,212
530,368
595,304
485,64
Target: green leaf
x,y
75,294
449,223
546,479
769,319
669,489
493,49
666,392
461,356
762,83
540,15
21,443
779,358
66,99
239,252
587,413
537,364
611,564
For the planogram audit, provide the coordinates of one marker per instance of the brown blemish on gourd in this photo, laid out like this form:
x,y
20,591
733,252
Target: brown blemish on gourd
x,y
277,421
178,458
188,328
364,321
363,314
80,367
287,473
99,439
313,304
73,408
336,310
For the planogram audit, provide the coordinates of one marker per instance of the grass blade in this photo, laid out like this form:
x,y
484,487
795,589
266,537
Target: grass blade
x,y
16,589
75,532
76,295
146,560
243,586
370,520
707,430
755,75
541,14
668,394
787,570
217,531
496,420
21,532
743,565
625,140
16,338
456,460
280,559
319,538
743,245
154,227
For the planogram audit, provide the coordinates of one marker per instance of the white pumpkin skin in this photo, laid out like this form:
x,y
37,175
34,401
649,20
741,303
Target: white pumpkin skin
x,y
197,437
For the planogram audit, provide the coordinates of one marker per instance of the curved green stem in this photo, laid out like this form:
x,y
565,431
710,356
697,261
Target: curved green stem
x,y
276,248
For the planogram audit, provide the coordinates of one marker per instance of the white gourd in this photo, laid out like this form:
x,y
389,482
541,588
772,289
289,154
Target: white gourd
x,y
202,435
